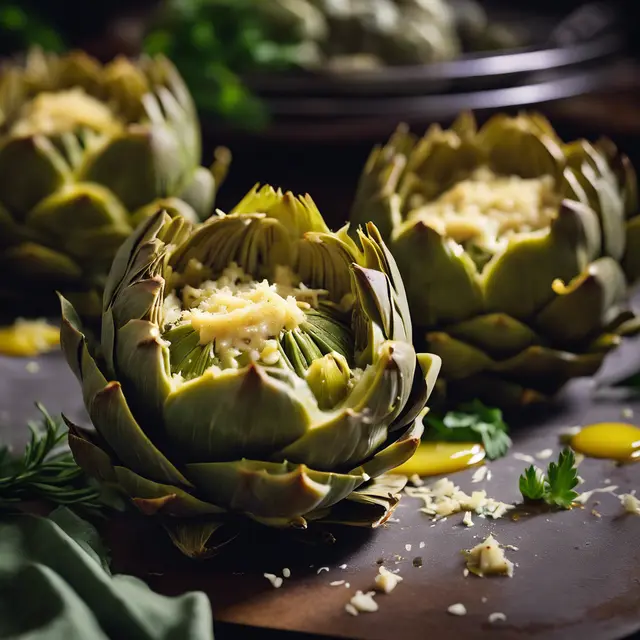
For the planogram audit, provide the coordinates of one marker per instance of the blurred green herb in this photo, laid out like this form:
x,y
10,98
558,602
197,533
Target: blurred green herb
x,y
556,488
21,28
472,422
47,471
214,42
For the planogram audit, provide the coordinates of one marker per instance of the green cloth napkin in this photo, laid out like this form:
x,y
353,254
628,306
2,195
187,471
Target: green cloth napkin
x,y
55,583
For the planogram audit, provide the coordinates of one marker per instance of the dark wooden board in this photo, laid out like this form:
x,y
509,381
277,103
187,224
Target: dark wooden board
x,y
577,575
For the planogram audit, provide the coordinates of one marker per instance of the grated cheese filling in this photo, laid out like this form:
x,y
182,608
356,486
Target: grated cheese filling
x,y
487,209
237,315
65,111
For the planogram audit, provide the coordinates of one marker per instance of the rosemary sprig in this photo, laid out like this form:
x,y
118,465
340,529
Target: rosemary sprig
x,y
46,470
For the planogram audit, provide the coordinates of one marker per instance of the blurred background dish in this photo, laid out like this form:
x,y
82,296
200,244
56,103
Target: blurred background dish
x,y
301,89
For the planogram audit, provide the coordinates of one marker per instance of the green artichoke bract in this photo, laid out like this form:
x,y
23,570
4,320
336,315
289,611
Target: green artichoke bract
x,y
258,365
509,242
87,152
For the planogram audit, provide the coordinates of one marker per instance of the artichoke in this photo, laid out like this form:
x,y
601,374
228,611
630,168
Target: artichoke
x,y
86,153
509,241
257,367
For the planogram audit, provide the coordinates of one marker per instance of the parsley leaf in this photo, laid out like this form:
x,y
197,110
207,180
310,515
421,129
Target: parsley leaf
x,y
532,483
556,488
472,422
562,478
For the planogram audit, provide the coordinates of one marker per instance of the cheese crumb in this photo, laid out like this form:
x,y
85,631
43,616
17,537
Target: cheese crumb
x,y
386,581
583,497
627,413
524,457
457,609
276,581
545,454
364,602
342,566
416,480
497,617
321,569
467,521
286,573
630,503
487,558
407,547
349,608
32,367
444,498
422,545
481,474
336,583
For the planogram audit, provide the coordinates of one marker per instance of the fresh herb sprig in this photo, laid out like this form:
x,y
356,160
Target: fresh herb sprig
x,y
556,488
472,422
46,471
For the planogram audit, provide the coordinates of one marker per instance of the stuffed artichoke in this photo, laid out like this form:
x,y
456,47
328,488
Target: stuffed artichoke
x,y
509,241
258,365
87,152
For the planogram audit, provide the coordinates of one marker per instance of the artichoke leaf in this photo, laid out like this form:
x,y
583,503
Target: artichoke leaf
x,y
114,421
90,456
396,453
323,261
518,146
424,382
631,260
40,263
356,428
369,506
548,368
139,165
221,415
518,281
582,307
270,489
299,215
199,193
200,540
175,207
449,290
497,334
164,499
30,169
459,359
143,364
139,301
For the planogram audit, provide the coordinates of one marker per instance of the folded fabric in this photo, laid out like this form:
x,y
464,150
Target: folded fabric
x,y
55,583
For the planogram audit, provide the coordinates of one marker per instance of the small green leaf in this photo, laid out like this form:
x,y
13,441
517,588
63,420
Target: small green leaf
x,y
473,422
562,478
532,483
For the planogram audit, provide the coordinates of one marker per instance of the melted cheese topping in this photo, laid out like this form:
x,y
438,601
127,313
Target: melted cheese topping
x,y
236,314
487,209
65,111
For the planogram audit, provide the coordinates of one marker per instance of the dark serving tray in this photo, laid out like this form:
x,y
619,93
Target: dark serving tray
x,y
555,41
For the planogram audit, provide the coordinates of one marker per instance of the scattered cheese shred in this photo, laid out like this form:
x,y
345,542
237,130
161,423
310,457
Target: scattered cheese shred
x,y
444,498
457,609
481,474
487,558
497,617
583,497
276,581
524,457
386,581
630,503
545,454
467,520
364,602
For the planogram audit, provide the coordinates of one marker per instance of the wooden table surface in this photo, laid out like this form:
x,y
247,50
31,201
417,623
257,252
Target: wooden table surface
x,y
577,575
